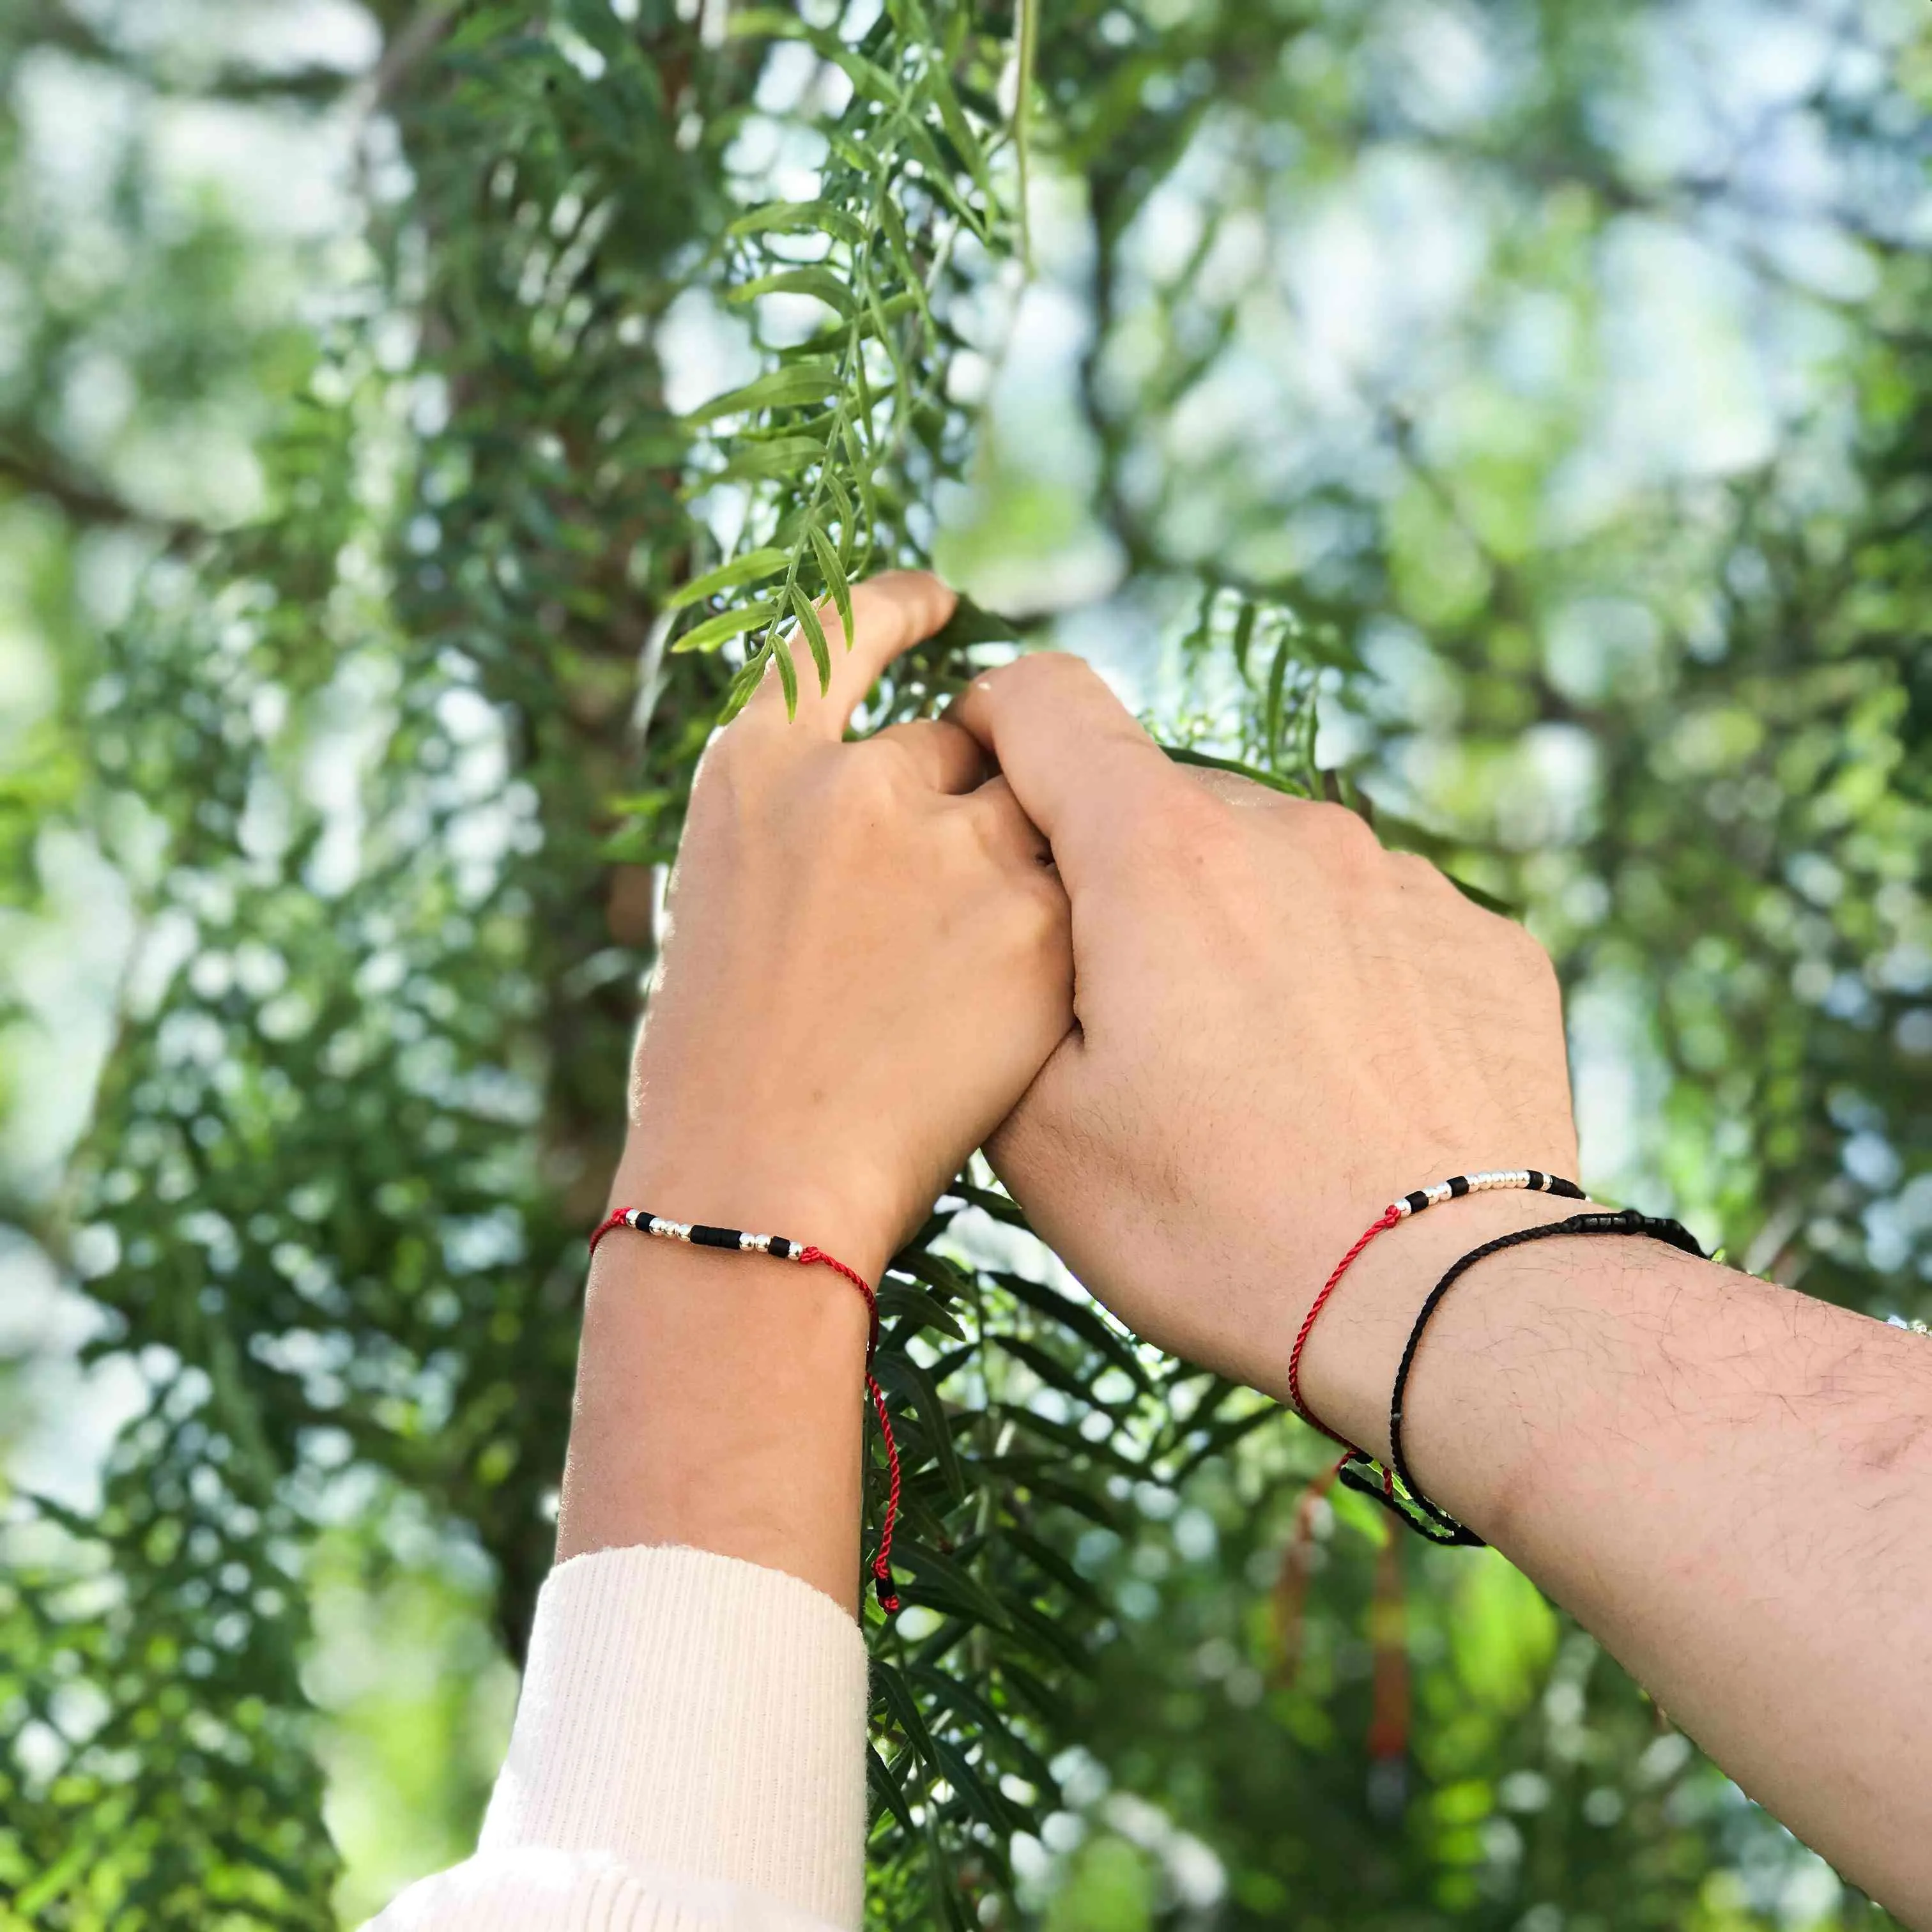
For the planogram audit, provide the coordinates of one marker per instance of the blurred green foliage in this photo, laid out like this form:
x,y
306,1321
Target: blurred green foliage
x,y
1514,417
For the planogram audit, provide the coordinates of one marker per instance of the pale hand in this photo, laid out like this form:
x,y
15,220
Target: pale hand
x,y
866,963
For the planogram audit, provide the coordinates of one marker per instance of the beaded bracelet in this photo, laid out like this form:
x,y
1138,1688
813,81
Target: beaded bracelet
x,y
1360,1471
781,1248
1454,1189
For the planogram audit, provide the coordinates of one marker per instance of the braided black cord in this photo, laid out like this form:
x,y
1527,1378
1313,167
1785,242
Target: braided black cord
x,y
1410,1506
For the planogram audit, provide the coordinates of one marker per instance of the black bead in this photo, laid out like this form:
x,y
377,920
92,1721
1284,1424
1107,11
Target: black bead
x,y
1458,1186
782,1248
714,1237
1416,1201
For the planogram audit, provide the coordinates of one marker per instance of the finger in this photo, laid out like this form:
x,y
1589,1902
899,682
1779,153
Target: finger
x,y
890,613
1004,828
1071,750
947,758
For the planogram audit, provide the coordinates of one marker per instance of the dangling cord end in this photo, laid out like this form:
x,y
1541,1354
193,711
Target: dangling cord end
x,y
882,1564
1290,1590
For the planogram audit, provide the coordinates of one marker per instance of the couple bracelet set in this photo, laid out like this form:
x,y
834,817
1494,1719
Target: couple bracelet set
x,y
1392,1485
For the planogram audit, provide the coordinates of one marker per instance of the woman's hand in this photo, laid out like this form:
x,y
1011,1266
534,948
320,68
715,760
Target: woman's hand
x,y
867,960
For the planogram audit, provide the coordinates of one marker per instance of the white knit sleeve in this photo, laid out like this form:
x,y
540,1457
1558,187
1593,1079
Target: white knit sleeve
x,y
688,1752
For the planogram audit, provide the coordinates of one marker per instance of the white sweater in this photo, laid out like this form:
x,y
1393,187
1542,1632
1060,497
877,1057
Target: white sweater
x,y
688,1756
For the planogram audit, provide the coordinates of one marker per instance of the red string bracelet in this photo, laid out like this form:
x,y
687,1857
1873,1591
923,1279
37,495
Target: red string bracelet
x,y
1454,1189
781,1249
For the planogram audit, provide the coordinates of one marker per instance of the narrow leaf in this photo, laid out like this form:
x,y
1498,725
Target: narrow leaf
x,y
896,1695
884,1781
728,624
752,568
790,387
791,217
906,1374
814,636
1184,755
916,1310
753,461
834,578
820,283
787,675
939,1577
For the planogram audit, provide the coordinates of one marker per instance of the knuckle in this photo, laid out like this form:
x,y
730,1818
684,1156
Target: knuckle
x,y
1169,815
1336,831
1037,672
867,783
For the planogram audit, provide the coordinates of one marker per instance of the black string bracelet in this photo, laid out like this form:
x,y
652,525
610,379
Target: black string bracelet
x,y
1407,1503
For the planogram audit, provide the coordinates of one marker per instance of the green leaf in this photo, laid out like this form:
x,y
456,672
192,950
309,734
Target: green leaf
x,y
820,283
792,387
884,1780
916,1310
959,131
1271,706
835,578
1045,1558
982,1799
766,23
755,461
814,636
948,1586
1244,632
1079,1317
750,675
1184,755
901,1372
727,625
787,675
972,624
996,1205
792,217
995,1731
892,1691
1055,1373
752,568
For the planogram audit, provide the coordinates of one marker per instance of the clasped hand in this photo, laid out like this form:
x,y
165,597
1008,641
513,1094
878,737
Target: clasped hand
x,y
1205,1031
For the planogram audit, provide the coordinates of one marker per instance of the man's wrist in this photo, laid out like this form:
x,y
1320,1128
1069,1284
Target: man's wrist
x,y
1348,1368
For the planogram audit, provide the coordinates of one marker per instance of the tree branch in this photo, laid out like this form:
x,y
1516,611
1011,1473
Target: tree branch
x,y
55,26
37,474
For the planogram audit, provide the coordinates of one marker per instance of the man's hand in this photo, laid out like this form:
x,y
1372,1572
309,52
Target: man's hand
x,y
1282,1028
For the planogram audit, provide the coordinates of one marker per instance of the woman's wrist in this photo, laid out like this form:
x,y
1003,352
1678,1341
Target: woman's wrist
x,y
720,1397
724,1181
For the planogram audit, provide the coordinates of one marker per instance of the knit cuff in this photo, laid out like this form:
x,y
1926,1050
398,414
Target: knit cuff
x,y
696,1714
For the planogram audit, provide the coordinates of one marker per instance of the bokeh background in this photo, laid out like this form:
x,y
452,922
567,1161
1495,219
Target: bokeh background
x,y
1514,414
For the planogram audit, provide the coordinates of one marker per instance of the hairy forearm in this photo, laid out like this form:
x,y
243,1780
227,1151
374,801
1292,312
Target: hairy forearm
x,y
1729,1484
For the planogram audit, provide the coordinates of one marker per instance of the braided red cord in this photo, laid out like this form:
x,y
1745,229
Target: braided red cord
x,y
882,1562
615,1219
1390,1216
